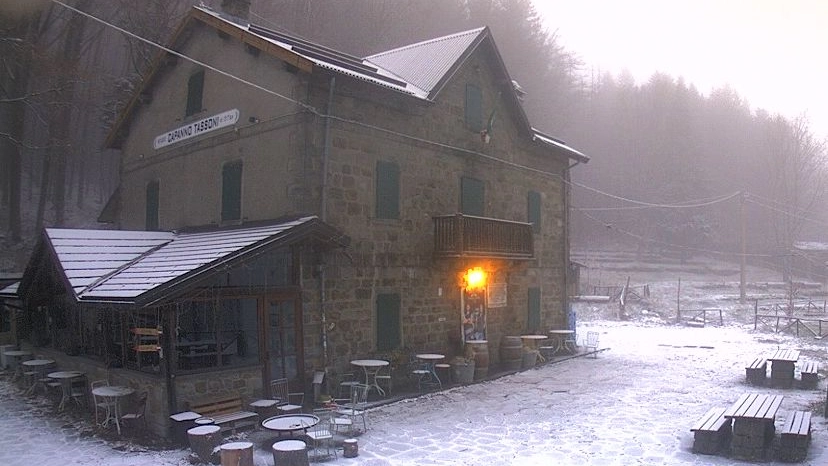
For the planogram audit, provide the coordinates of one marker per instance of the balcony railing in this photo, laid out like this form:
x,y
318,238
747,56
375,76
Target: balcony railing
x,y
468,236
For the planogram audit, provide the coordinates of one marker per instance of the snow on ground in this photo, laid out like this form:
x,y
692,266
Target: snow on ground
x,y
633,404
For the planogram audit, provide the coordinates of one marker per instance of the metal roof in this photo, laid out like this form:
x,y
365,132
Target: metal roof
x,y
550,141
426,64
325,57
9,291
117,265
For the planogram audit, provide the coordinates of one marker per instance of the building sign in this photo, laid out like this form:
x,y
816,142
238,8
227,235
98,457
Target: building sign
x,y
196,128
497,295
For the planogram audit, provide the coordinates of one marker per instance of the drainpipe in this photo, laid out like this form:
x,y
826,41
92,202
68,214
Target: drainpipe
x,y
323,215
567,219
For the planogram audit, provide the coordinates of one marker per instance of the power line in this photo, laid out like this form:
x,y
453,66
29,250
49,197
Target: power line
x,y
638,204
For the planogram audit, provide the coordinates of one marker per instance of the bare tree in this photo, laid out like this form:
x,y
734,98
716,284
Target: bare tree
x,y
796,181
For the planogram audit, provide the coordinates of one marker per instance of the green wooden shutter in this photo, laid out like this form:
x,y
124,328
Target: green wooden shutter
x,y
152,200
471,196
534,304
533,202
195,92
474,108
231,191
388,321
388,190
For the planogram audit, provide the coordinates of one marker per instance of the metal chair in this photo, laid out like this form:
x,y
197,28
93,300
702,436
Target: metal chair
x,y
321,434
78,391
592,343
357,405
289,402
346,381
137,412
104,405
383,378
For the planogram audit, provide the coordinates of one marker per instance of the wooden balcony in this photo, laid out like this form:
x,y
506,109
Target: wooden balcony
x,y
468,236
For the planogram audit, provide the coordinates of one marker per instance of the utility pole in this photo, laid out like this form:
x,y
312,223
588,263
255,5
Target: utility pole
x,y
742,293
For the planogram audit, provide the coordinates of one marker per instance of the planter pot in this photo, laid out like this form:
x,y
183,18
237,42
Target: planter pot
x,y
463,373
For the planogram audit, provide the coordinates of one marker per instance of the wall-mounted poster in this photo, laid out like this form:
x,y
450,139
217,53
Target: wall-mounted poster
x,y
474,314
496,295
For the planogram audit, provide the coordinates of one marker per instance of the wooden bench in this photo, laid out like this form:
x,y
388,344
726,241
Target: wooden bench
x,y
757,371
795,436
711,434
226,412
809,374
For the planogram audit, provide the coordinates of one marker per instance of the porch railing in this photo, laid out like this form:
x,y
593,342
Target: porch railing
x,y
469,236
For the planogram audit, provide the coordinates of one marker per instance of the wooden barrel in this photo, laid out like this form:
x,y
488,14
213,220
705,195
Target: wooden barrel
x,y
204,440
290,453
511,353
237,454
480,351
350,448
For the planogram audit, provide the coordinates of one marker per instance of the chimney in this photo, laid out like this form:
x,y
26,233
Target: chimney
x,y
238,8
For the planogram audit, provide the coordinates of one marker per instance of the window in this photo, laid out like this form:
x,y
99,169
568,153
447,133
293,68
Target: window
x,y
533,203
217,333
388,190
152,223
474,108
534,305
388,321
195,92
471,196
231,179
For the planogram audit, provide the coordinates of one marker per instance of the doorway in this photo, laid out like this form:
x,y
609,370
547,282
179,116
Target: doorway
x,y
284,357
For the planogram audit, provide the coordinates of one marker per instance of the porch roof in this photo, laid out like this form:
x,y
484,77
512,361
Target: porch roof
x,y
141,267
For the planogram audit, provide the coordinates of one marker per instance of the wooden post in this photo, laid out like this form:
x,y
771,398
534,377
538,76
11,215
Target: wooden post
x,y
290,453
237,454
204,440
678,301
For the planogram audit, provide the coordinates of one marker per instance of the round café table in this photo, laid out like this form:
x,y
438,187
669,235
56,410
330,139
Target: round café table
x,y
531,343
17,356
429,360
371,367
113,393
290,424
65,378
560,339
37,367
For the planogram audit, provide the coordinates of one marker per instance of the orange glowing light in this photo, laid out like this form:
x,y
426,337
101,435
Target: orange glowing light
x,y
475,278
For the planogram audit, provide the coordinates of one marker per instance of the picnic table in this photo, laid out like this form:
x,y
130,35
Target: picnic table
x,y
783,362
753,418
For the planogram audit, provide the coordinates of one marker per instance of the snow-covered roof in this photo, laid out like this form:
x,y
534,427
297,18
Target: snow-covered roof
x,y
549,140
9,291
426,64
118,265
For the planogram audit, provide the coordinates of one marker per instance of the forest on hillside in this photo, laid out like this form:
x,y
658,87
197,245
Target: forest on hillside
x,y
671,169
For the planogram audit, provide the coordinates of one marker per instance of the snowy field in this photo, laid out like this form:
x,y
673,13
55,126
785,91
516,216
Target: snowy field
x,y
632,405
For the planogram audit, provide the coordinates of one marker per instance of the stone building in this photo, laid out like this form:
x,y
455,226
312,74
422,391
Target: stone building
x,y
285,208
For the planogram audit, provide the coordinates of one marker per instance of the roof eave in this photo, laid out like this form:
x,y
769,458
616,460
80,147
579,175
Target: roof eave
x,y
315,228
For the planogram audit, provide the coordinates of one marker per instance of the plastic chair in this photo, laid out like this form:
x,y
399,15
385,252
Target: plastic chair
x,y
289,402
592,343
320,434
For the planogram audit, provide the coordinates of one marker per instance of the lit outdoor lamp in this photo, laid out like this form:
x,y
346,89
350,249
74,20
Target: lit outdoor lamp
x,y
475,278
